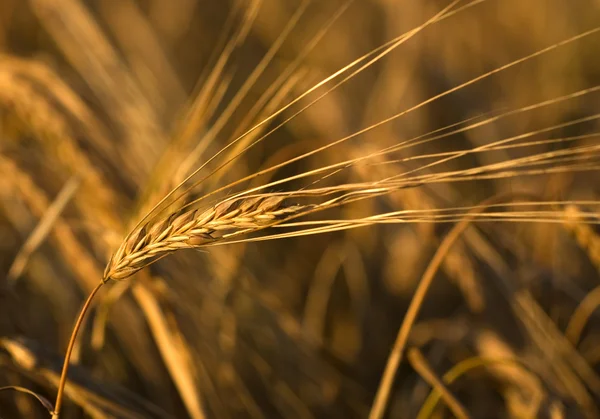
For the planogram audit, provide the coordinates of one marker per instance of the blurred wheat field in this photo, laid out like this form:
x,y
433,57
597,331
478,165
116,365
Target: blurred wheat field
x,y
301,209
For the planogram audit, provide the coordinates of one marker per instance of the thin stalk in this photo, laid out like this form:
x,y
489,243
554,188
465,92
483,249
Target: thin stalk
x,y
65,368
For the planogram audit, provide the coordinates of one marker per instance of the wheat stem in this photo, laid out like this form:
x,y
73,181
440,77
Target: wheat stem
x,y
65,368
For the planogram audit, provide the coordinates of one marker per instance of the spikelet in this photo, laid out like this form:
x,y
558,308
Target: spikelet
x,y
193,229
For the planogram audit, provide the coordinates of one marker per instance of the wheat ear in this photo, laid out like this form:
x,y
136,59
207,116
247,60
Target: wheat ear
x,y
192,229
